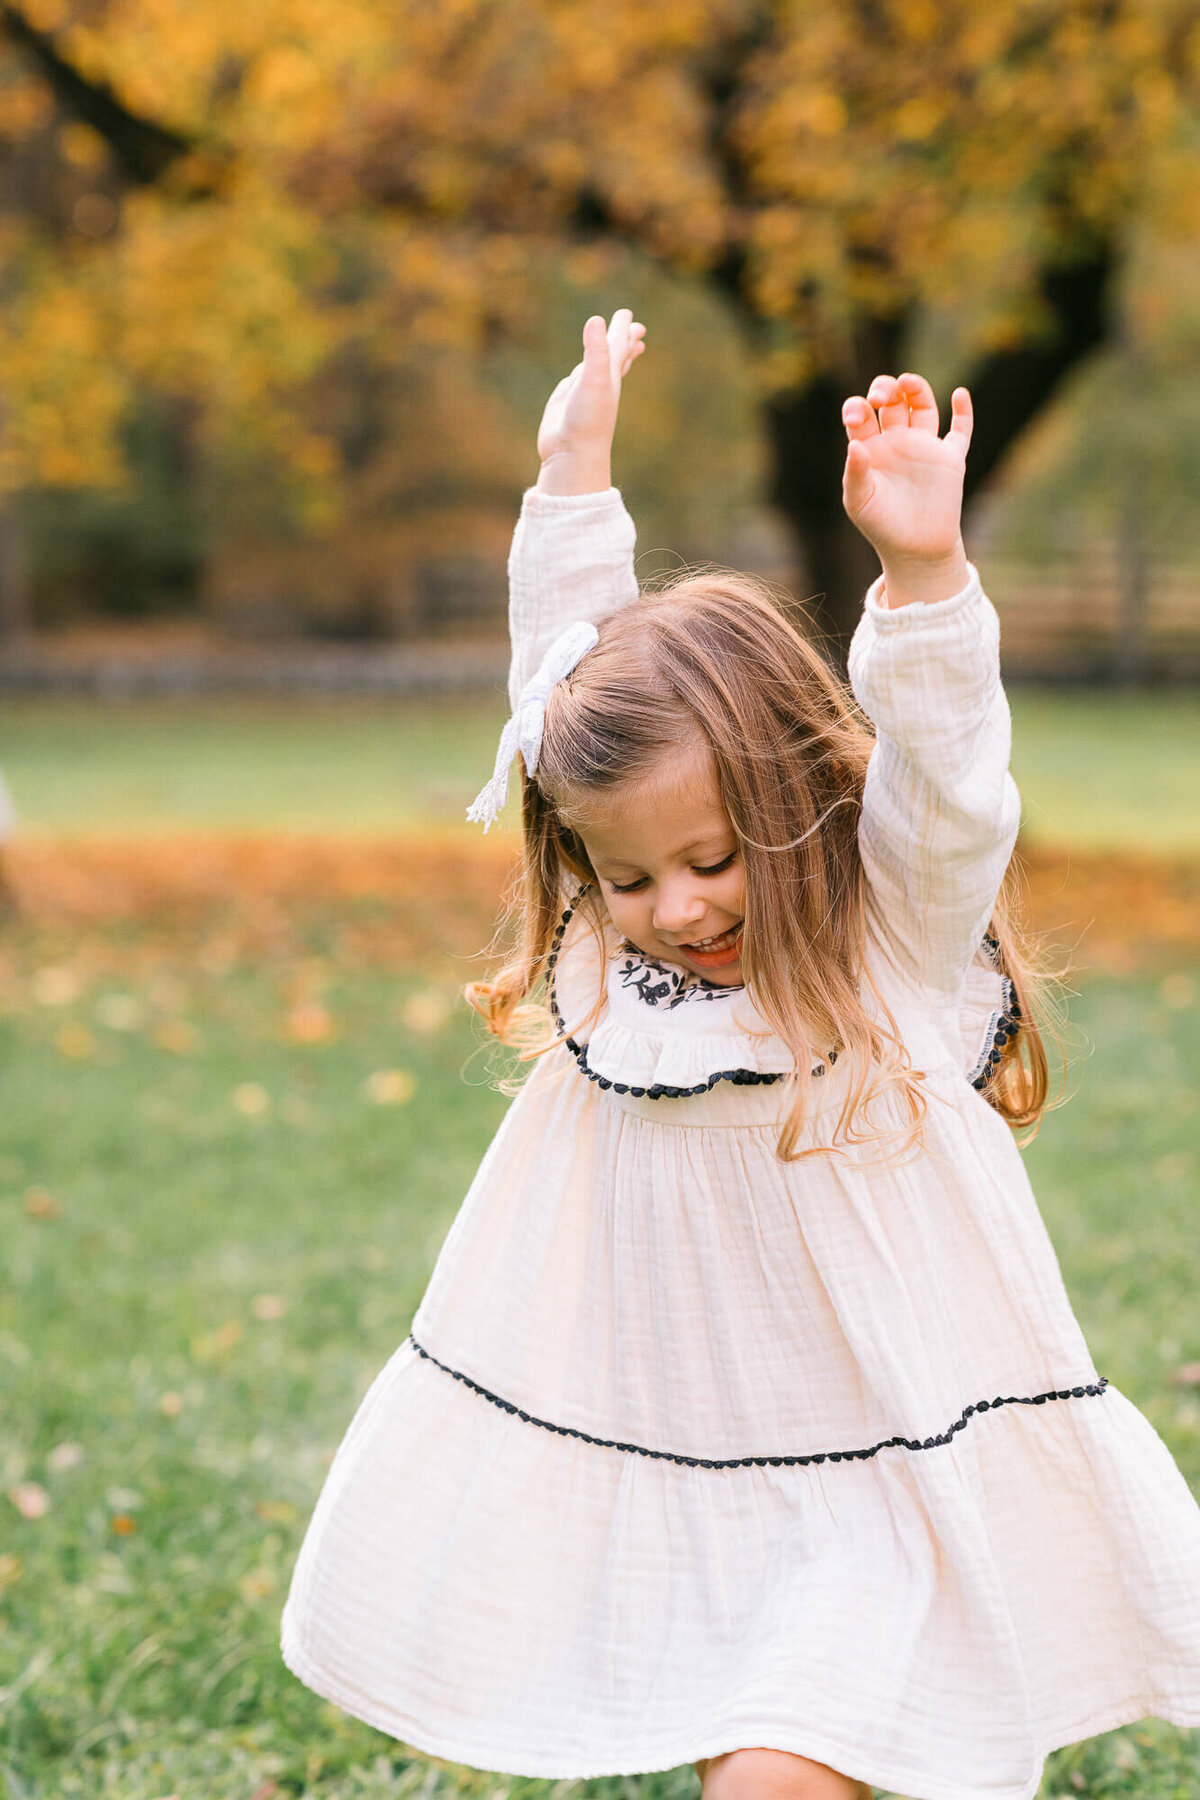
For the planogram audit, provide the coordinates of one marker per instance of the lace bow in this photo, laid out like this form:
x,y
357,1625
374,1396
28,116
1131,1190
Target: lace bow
x,y
524,730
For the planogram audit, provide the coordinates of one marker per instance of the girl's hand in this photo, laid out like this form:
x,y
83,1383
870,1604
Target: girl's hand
x,y
575,436
903,485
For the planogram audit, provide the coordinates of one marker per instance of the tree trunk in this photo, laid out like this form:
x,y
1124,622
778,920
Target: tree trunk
x,y
808,441
16,611
15,608
1010,388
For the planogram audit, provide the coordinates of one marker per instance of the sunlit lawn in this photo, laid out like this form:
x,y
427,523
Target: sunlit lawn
x,y
1094,768
229,1152
220,1205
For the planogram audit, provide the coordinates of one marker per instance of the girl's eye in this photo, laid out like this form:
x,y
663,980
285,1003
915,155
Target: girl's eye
x,y
632,887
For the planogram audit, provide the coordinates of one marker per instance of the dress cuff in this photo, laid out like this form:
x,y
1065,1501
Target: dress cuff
x,y
920,612
536,501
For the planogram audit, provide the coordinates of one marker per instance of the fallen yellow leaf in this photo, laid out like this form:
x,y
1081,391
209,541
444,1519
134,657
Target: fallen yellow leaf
x,y
31,1500
65,1456
55,987
310,1023
390,1087
251,1099
212,1346
77,1041
268,1306
41,1205
177,1037
119,1012
275,1512
425,1013
257,1585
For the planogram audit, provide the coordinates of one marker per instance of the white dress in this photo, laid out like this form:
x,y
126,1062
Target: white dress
x,y
692,1449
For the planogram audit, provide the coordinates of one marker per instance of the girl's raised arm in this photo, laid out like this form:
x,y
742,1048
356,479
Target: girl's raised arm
x,y
940,809
572,552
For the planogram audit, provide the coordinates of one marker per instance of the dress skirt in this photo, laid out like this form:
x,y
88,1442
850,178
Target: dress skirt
x,y
693,1450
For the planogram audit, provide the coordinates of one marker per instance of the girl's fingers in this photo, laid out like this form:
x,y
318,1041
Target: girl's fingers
x,y
595,349
634,347
889,402
962,415
618,330
624,338
857,483
859,418
922,407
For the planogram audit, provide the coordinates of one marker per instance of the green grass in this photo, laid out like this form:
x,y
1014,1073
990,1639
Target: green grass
x,y
246,764
1106,771
1099,770
139,1663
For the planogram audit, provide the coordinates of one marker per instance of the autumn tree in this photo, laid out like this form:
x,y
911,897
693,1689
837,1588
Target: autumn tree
x,y
857,178
862,181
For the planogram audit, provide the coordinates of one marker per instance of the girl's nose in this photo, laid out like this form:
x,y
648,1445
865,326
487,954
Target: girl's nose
x,y
678,906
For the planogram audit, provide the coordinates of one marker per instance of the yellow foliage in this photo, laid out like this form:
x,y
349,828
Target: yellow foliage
x,y
46,15
931,158
82,145
26,105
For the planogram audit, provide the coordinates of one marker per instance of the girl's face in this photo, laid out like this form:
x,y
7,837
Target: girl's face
x,y
670,866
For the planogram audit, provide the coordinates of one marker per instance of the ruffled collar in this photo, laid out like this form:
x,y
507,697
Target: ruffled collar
x,y
652,1029
655,1031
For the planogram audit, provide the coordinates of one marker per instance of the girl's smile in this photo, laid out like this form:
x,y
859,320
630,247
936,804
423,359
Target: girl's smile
x,y
720,952
670,867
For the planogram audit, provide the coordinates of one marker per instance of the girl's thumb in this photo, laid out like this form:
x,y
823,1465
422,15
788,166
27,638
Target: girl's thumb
x,y
856,480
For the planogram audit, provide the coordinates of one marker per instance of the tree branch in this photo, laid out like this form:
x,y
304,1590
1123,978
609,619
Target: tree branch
x,y
144,149
1011,387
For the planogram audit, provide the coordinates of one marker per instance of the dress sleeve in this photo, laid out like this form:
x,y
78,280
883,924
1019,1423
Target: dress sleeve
x,y
940,809
571,559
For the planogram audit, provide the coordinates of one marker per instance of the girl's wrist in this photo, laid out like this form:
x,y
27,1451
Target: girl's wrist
x,y
908,579
569,472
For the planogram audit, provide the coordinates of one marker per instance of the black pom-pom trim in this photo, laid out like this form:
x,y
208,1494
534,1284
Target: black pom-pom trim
x,y
1005,1026
1089,1389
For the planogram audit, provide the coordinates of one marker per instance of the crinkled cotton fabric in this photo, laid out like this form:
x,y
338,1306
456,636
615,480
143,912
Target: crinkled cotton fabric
x,y
692,1449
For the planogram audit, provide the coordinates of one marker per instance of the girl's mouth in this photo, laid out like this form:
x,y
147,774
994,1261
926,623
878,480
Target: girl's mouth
x,y
716,952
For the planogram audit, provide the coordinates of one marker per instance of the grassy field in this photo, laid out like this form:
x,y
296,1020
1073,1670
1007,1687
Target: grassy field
x,y
1094,769
233,1138
222,1194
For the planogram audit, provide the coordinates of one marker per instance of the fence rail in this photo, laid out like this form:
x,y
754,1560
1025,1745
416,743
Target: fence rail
x,y
1067,624
1074,621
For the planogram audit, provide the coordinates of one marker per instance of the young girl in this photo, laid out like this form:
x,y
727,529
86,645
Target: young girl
x,y
745,1420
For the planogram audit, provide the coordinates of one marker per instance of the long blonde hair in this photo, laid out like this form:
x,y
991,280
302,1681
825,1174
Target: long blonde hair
x,y
714,657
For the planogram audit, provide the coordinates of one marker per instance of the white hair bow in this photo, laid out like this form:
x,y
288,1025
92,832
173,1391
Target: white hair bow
x,y
524,730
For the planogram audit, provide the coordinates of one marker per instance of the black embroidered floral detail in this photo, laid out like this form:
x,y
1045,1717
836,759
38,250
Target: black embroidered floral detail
x,y
659,985
658,1090
1091,1388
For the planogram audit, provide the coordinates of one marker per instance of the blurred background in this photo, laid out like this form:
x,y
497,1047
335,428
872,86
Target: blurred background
x,y
282,291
